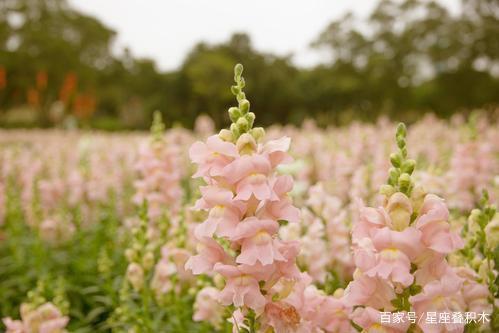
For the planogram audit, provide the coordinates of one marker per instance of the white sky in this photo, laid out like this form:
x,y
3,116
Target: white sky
x,y
166,30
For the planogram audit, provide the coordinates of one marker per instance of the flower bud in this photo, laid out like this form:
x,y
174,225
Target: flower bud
x,y
234,114
404,181
492,233
258,133
235,131
246,144
219,281
238,70
226,135
135,275
408,166
417,197
130,254
242,125
148,260
244,106
395,159
251,119
400,210
338,293
393,176
386,190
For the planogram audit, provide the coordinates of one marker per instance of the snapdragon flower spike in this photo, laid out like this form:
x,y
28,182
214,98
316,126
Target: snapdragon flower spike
x,y
245,200
158,167
400,253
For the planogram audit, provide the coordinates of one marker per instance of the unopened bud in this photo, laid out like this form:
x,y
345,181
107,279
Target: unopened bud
x,y
148,260
399,209
130,254
242,125
396,160
417,197
250,116
238,70
386,190
246,144
393,175
492,233
234,114
226,135
235,131
135,275
338,293
408,166
244,105
258,133
404,181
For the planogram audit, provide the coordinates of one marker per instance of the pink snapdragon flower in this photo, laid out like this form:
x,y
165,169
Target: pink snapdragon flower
x,y
46,318
207,308
212,156
400,249
370,320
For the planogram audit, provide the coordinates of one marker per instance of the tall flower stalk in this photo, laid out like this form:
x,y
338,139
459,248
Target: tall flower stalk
x,y
400,253
246,201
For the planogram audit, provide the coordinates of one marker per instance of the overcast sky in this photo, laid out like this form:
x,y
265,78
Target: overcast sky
x,y
166,30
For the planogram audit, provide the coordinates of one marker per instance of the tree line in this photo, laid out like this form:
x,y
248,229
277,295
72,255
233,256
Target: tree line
x,y
407,58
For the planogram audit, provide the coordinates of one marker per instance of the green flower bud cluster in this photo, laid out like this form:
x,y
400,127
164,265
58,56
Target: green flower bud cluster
x,y
157,127
399,179
241,117
482,248
60,300
36,296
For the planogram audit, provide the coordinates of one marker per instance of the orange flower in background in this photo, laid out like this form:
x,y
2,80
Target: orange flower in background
x,y
33,97
84,105
3,78
41,80
68,87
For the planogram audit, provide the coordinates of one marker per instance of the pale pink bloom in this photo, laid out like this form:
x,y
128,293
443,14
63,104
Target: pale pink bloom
x,y
13,326
56,230
161,281
213,156
250,174
370,219
283,318
287,268
209,253
431,266
432,222
334,315
238,321
45,319
257,241
276,151
224,214
282,209
370,291
475,294
392,259
241,287
178,257
370,320
207,308
204,125
439,296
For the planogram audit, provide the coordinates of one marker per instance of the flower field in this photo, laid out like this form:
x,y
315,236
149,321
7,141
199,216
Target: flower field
x,y
366,227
